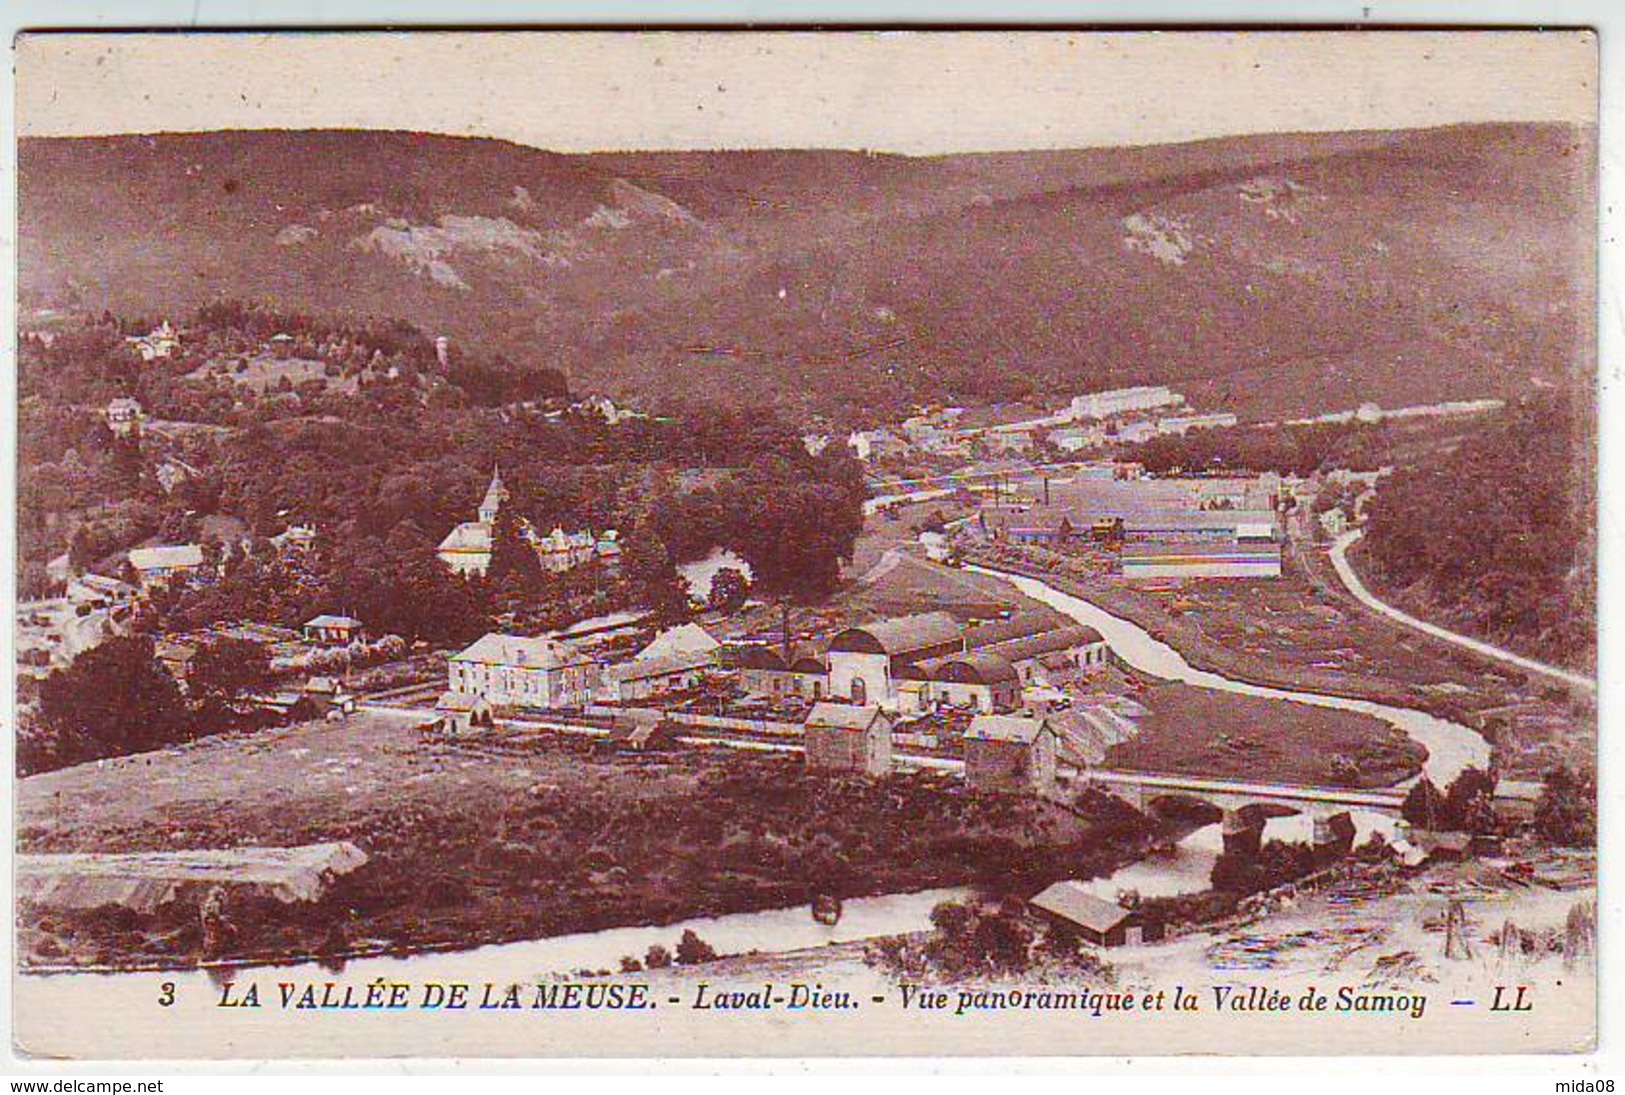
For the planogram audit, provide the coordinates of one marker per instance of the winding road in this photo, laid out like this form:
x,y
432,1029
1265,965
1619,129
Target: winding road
x,y
1351,580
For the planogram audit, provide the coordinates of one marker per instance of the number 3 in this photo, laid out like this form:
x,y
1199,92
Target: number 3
x,y
166,994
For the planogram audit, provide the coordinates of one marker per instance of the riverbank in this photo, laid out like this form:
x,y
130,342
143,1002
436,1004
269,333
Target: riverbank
x,y
1289,634
1451,747
470,846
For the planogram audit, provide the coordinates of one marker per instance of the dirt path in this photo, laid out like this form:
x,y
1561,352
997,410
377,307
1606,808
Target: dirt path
x,y
1351,580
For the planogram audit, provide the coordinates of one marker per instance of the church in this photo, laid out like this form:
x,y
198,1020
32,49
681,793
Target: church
x,y
467,548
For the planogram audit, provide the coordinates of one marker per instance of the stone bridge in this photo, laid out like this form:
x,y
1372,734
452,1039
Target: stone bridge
x,y
1246,805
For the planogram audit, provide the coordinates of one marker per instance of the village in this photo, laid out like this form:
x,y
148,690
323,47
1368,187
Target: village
x,y
931,664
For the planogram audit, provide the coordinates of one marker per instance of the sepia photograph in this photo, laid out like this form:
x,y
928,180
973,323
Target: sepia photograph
x,y
797,543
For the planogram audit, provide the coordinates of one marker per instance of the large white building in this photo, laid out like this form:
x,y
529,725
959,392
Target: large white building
x,y
154,564
1122,401
519,671
864,662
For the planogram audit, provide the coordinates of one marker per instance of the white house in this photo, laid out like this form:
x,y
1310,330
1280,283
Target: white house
x,y
467,548
644,678
295,538
519,671
161,341
1183,424
682,639
333,630
1121,401
124,416
154,564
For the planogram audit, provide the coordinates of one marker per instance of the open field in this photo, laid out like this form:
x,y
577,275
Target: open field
x,y
265,371
1304,631
1202,732
510,839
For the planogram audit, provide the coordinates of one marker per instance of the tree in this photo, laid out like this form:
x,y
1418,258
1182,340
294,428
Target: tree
x,y
1566,812
729,590
795,529
652,573
114,699
514,564
692,950
1424,805
1469,801
225,669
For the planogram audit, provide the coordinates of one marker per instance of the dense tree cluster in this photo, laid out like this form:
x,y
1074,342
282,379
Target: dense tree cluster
x,y
1467,805
1498,537
1294,450
115,698
1275,864
382,474
1567,810
386,464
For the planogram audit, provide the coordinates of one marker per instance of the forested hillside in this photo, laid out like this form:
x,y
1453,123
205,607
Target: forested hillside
x,y
1497,538
1272,274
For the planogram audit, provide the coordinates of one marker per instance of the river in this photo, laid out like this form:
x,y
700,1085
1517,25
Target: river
x,y
1450,745
1186,870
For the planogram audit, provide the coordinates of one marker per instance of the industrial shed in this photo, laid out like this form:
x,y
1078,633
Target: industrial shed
x,y
1073,911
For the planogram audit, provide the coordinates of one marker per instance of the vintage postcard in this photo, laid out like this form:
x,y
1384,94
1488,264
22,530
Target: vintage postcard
x,y
795,543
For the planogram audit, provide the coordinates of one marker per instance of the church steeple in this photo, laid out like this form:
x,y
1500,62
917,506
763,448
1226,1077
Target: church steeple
x,y
495,495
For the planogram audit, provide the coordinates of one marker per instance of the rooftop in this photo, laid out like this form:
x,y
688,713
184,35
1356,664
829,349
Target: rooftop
x,y
520,650
470,536
901,635
641,668
843,716
977,667
166,556
1072,902
1019,626
1185,549
459,701
333,621
683,639
1020,729
1073,637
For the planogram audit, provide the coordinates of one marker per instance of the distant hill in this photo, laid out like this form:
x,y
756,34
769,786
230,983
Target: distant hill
x,y
1271,274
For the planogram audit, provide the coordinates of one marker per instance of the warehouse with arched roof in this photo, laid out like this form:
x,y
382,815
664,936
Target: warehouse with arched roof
x,y
864,662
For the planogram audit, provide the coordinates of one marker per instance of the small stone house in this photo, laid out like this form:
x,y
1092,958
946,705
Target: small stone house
x,y
841,737
333,630
1010,753
639,731
764,671
461,712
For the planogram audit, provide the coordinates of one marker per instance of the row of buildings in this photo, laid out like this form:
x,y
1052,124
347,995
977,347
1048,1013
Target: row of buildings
x,y
1088,421
913,664
1000,752
1159,528
906,665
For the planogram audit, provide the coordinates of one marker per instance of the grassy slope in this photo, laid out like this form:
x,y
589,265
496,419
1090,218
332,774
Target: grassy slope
x,y
473,844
